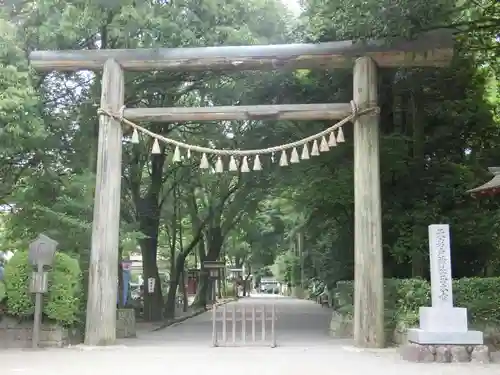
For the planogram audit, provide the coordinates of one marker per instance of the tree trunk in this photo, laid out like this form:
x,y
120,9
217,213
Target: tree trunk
x,y
200,299
214,244
185,301
148,209
245,283
417,256
178,276
153,302
171,297
175,278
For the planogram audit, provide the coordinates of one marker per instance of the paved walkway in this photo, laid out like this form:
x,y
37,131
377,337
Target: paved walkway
x,y
303,347
299,323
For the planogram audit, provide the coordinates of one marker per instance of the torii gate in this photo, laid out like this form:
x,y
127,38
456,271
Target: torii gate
x,y
430,50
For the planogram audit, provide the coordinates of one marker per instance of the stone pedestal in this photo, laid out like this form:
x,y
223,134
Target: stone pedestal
x,y
125,323
419,336
444,326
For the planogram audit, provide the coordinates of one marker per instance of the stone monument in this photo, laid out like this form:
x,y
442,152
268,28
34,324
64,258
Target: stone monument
x,y
442,324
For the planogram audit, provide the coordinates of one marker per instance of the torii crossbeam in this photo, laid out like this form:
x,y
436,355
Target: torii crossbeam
x,y
429,50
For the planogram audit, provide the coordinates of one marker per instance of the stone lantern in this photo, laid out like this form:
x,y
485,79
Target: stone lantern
x,y
41,255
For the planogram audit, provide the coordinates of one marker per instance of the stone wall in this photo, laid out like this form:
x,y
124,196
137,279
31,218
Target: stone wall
x,y
15,334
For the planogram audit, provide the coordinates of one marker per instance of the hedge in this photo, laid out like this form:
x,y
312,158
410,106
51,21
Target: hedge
x,y
403,297
61,303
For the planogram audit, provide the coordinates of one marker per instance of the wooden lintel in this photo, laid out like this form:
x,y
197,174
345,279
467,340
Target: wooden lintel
x,y
430,49
333,111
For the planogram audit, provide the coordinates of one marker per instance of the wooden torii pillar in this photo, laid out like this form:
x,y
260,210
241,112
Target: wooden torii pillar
x,y
432,50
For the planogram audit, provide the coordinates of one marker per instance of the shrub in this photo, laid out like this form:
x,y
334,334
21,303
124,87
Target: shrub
x,y
61,303
481,297
404,297
315,288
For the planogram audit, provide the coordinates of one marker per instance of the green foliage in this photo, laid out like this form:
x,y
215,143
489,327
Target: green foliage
x,y
21,127
61,303
404,297
481,297
444,140
286,268
3,293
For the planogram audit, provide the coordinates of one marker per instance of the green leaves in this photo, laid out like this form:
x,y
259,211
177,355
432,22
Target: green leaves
x,y
21,126
3,293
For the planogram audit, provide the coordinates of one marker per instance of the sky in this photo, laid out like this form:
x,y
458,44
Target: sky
x,y
293,5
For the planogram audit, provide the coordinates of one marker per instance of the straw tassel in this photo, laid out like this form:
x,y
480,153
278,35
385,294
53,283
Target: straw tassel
x,y
315,149
177,155
256,164
189,154
135,136
232,164
340,136
219,166
332,141
204,162
305,152
283,159
294,157
244,165
323,146
156,147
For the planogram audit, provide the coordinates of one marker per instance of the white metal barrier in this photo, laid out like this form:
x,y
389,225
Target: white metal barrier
x,y
249,316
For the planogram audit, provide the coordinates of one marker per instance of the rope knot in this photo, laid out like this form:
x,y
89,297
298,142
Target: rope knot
x,y
121,113
354,108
